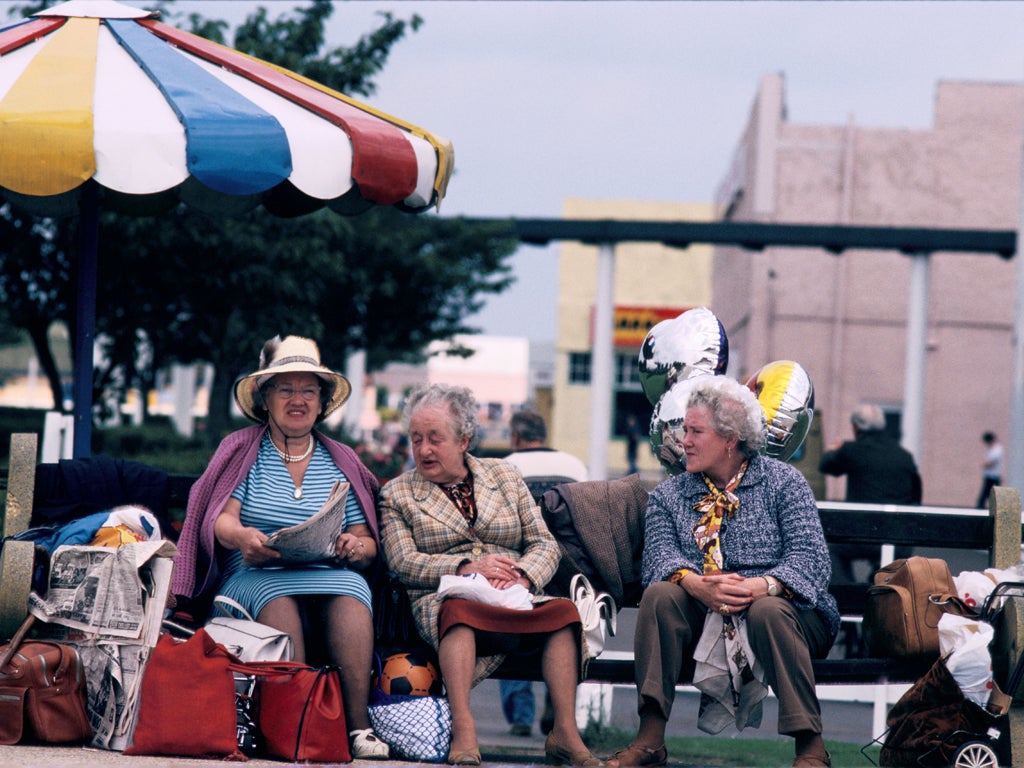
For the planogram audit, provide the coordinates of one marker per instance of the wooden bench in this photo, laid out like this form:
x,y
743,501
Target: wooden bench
x,y
997,533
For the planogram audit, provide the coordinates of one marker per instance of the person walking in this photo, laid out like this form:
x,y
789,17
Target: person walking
x,y
991,467
542,468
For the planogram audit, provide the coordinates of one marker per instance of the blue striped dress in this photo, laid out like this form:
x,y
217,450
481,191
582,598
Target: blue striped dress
x,y
268,504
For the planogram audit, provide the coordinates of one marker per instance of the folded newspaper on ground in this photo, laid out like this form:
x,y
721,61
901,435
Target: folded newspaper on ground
x,y
108,602
313,539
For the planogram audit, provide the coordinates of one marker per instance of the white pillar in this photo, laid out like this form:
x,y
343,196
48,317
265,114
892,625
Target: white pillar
x,y
602,363
1014,476
355,372
917,352
183,384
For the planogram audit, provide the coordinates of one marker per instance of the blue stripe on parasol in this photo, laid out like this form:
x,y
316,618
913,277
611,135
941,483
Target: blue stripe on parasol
x,y
234,146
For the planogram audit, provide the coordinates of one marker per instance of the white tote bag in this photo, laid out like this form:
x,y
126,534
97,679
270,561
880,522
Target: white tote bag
x,y
245,637
597,613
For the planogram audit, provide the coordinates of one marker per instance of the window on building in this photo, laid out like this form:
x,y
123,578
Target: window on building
x,y
627,372
579,367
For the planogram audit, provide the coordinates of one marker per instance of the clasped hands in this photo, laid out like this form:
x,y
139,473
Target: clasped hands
x,y
500,571
726,593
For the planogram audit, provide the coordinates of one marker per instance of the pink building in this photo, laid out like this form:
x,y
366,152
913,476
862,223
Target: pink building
x,y
844,317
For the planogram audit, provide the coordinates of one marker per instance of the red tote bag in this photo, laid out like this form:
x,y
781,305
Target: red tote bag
x,y
301,711
187,701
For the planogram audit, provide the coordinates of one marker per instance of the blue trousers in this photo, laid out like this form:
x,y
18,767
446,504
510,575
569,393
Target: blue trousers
x,y
517,701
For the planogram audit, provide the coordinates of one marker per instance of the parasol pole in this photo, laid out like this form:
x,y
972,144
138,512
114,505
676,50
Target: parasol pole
x,y
85,317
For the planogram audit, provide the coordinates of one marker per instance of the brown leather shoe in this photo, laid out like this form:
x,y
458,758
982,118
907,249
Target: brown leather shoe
x,y
637,755
813,760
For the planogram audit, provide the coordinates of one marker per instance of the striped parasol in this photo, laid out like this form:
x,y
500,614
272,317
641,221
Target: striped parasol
x,y
101,104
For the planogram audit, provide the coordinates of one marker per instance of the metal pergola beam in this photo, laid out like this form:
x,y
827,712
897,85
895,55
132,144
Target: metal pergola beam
x,y
756,236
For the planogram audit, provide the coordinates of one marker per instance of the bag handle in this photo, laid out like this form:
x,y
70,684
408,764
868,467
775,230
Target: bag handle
x,y
19,635
230,608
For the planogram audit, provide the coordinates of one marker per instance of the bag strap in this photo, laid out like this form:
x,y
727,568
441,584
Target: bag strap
x,y
231,608
19,635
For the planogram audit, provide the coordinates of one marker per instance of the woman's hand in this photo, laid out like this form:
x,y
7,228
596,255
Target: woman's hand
x,y
251,542
355,546
500,571
722,592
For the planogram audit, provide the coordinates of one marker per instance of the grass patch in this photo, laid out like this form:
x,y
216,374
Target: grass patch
x,y
714,751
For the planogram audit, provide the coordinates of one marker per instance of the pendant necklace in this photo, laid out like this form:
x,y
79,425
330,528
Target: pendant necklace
x,y
288,458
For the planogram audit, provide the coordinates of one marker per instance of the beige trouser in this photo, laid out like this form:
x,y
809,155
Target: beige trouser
x,y
784,640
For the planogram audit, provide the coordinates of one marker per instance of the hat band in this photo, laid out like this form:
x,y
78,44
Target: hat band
x,y
289,360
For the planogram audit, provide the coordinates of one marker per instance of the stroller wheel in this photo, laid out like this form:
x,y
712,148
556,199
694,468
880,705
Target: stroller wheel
x,y
975,754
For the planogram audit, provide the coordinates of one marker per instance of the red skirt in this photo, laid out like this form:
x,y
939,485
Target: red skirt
x,y
542,619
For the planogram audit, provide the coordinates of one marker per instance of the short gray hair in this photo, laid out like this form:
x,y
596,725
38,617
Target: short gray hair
x,y
868,418
734,410
460,403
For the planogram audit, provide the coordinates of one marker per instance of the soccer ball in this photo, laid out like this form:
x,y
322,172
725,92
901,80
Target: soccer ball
x,y
410,674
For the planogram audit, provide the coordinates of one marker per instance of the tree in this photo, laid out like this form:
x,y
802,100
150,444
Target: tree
x,y
215,291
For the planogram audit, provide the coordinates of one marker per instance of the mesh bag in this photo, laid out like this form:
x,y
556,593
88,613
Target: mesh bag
x,y
415,727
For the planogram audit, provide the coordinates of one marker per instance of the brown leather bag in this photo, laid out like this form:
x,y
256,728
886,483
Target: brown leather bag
x,y
42,692
904,606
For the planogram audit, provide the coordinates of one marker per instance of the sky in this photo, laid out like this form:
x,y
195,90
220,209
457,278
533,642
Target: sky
x,y
646,100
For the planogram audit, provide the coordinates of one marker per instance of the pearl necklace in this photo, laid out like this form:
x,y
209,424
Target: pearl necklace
x,y
287,458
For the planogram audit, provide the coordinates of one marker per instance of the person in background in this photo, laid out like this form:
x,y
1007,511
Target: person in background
x,y
456,514
878,471
277,473
633,435
991,467
736,573
542,468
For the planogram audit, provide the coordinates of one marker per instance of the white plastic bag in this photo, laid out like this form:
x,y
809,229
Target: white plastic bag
x,y
966,641
973,587
474,586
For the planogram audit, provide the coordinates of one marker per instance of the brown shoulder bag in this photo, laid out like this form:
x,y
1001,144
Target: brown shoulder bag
x,y
904,606
42,692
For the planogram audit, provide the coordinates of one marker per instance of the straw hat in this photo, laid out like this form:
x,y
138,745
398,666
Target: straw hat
x,y
293,354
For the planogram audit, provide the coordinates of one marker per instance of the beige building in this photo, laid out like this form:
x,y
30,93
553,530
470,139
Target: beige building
x,y
652,283
844,317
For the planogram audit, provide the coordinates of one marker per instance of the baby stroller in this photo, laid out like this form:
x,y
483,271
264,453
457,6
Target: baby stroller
x,y
935,726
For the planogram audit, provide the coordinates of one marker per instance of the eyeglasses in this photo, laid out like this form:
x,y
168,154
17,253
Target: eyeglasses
x,y
309,394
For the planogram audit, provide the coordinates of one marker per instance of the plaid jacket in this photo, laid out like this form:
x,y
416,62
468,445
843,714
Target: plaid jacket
x,y
425,537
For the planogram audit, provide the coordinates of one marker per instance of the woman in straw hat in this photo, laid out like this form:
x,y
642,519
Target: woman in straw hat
x,y
276,474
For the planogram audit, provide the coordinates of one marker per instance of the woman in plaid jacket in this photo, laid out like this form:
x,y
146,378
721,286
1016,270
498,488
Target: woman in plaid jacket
x,y
456,514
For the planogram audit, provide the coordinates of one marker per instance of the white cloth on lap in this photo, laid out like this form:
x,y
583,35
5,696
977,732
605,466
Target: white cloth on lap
x,y
475,587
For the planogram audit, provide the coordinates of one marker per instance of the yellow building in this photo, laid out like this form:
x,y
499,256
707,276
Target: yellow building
x,y
653,282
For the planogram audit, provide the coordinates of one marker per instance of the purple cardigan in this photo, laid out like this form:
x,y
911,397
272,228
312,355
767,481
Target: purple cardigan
x,y
195,566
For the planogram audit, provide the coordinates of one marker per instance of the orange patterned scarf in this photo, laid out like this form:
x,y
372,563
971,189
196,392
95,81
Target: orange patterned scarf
x,y
717,506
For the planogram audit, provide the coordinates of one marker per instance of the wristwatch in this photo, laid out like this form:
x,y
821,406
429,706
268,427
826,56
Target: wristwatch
x,y
773,586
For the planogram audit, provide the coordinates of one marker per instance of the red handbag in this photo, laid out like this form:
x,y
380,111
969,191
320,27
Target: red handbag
x,y
301,711
187,701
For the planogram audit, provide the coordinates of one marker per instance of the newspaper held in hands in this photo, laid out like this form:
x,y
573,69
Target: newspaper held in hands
x,y
313,539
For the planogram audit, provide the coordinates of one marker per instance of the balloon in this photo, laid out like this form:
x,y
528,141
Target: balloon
x,y
786,394
667,423
675,349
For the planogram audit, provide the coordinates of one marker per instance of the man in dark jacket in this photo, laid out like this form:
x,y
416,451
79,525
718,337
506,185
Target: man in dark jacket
x,y
878,470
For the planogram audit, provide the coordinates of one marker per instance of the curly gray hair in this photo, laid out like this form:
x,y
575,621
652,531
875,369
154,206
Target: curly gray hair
x,y
460,403
734,411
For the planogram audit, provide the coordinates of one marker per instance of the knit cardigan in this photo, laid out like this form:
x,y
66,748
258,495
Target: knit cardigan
x,y
776,531
196,570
